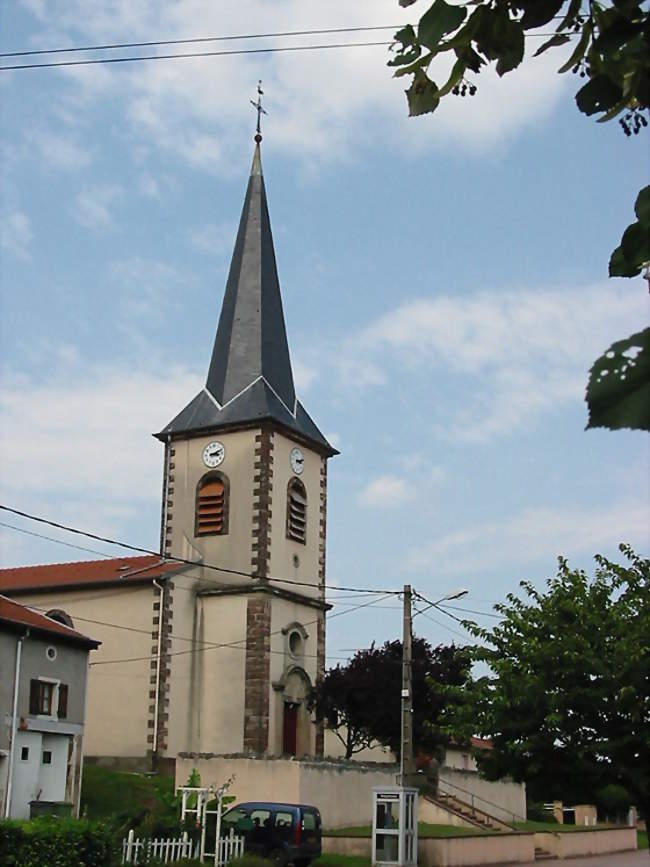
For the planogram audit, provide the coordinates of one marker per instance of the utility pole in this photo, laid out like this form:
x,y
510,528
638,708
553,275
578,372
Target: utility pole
x,y
406,752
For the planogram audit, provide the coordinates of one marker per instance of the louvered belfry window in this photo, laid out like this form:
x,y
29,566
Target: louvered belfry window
x,y
297,511
212,506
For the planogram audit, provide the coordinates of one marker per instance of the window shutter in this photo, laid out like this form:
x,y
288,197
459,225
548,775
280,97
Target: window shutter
x,y
297,511
211,507
34,697
63,701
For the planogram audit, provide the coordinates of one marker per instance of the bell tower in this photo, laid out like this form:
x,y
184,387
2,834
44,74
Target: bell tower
x,y
245,497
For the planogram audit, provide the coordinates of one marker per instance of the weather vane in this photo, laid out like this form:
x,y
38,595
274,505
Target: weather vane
x,y
260,111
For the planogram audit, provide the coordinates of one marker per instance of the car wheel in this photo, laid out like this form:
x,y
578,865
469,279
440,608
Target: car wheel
x,y
279,857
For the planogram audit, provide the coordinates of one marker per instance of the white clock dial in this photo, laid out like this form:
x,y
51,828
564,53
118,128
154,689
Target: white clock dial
x,y
213,454
297,461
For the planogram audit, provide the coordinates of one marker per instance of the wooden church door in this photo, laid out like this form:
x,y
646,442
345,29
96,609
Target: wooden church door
x,y
290,728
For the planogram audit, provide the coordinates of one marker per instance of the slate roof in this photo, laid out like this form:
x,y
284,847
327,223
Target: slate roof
x,y
84,573
19,617
250,377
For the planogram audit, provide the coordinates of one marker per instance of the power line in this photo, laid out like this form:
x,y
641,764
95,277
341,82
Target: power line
x,y
133,59
215,646
169,558
197,39
229,53
52,539
440,623
472,611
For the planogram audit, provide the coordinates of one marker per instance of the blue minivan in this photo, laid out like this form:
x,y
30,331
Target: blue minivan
x,y
285,833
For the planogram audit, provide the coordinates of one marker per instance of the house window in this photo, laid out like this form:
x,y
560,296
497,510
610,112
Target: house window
x,y
24,754
41,697
296,511
212,505
47,757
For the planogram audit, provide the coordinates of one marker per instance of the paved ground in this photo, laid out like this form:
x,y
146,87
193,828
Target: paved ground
x,y
620,859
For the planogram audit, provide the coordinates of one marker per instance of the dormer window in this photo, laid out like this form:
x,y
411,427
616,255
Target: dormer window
x,y
212,505
297,511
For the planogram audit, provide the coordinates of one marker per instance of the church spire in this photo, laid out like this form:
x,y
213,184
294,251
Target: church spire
x,y
251,339
250,377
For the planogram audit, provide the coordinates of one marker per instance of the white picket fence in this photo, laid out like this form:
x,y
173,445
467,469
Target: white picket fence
x,y
170,850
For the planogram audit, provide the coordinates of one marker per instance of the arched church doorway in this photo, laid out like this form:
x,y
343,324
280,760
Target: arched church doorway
x,y
295,735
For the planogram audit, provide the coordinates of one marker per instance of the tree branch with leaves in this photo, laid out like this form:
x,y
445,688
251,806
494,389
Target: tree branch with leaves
x,y
611,57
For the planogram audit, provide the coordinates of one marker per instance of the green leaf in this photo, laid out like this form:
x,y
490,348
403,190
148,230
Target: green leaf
x,y
636,244
422,95
438,21
642,207
406,58
406,36
455,76
620,266
618,392
558,39
512,47
600,93
539,12
579,51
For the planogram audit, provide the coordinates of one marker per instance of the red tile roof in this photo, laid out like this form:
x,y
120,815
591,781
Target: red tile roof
x,y
20,615
57,576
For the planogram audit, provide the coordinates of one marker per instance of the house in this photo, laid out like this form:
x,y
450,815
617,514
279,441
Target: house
x,y
214,645
43,670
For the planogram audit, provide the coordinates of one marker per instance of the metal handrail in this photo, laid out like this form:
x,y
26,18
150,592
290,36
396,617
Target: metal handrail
x,y
515,816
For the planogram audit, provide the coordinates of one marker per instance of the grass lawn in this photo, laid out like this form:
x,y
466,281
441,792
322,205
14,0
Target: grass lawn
x,y
341,861
424,830
105,792
556,828
642,839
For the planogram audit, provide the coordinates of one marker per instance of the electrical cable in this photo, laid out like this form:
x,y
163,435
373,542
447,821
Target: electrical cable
x,y
133,59
52,539
168,558
234,644
237,51
153,44
471,611
441,624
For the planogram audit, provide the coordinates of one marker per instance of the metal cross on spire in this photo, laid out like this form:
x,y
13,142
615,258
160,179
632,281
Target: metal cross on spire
x,y
260,111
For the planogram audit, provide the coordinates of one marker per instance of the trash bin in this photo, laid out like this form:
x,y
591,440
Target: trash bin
x,y
49,808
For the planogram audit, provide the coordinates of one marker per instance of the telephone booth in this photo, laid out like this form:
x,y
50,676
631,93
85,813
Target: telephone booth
x,y
394,826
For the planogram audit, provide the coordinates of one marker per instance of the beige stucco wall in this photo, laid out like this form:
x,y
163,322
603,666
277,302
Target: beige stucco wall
x,y
574,844
503,799
461,760
449,852
111,688
342,793
283,549
232,550
334,749
434,814
477,849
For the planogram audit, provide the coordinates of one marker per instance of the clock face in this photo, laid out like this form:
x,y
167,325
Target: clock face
x,y
297,461
213,454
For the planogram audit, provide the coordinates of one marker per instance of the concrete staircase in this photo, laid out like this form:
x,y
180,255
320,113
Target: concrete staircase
x,y
470,815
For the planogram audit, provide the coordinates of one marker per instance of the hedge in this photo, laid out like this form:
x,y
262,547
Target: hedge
x,y
51,842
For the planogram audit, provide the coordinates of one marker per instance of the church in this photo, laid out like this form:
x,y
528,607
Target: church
x,y
213,646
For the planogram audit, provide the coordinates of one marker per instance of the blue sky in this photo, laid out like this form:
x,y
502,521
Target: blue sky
x,y
444,282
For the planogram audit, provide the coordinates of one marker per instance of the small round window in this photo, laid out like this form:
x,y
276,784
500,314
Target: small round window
x,y
50,652
295,643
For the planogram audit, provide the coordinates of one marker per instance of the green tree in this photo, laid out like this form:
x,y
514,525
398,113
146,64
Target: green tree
x,y
361,700
566,700
611,57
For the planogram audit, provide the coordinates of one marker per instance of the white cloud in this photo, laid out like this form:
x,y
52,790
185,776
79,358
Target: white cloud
x,y
16,234
59,151
93,206
319,102
216,239
517,353
88,434
537,534
386,492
